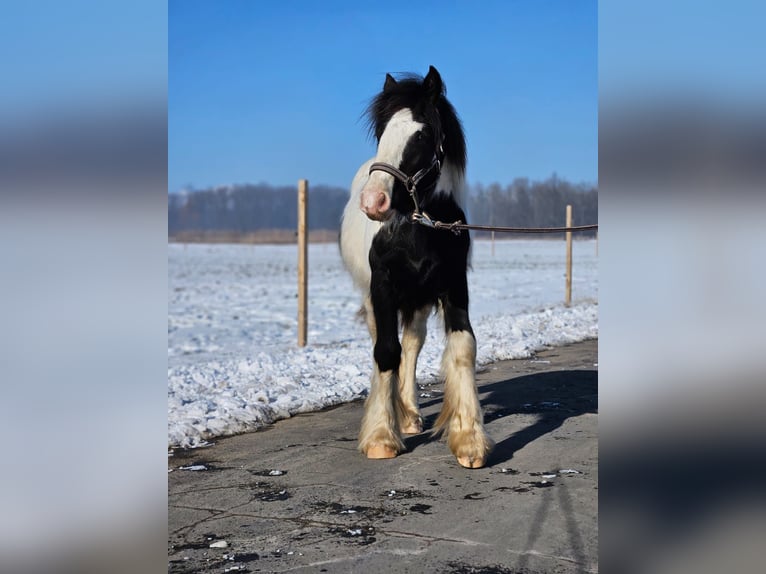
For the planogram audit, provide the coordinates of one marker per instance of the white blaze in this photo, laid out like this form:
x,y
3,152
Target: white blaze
x,y
400,128
398,131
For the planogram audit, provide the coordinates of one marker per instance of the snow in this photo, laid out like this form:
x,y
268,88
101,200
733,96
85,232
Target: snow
x,y
193,467
233,361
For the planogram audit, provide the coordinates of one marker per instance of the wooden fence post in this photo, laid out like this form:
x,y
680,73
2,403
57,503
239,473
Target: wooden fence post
x,y
568,295
303,200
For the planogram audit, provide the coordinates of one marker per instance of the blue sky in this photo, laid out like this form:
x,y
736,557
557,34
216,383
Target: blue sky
x,y
80,56
273,91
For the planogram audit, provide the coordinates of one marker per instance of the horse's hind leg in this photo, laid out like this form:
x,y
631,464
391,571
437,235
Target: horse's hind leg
x,y
413,336
461,417
369,318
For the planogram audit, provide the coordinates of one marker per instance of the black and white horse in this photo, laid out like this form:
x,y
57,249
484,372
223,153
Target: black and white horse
x,y
405,268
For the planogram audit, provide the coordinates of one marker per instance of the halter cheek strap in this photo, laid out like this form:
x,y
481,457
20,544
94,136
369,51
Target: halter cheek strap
x,y
410,182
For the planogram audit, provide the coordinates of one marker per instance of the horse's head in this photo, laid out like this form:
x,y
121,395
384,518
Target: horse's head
x,y
416,129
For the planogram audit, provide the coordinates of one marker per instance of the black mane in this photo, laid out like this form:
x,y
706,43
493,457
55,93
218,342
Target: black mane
x,y
409,92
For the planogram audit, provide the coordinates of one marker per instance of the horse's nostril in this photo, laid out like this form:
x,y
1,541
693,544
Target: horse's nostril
x,y
375,203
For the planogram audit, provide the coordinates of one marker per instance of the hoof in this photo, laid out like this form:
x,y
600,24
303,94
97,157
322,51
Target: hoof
x,y
468,462
413,428
471,448
379,451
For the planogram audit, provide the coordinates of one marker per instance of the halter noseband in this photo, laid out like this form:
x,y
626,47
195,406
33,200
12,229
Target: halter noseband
x,y
410,182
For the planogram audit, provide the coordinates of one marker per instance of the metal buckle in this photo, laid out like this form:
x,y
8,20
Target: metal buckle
x,y
423,219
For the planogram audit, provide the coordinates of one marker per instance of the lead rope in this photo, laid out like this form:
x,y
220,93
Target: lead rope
x,y
422,218
456,227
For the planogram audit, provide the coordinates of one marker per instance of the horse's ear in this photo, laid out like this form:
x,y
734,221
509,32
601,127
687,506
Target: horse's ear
x,y
433,84
389,84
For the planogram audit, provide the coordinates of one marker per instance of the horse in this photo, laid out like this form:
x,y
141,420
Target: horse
x,y
406,267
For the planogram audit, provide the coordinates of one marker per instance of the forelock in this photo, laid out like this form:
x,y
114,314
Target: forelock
x,y
409,92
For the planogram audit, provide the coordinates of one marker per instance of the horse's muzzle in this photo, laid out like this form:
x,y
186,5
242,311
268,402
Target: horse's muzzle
x,y
376,204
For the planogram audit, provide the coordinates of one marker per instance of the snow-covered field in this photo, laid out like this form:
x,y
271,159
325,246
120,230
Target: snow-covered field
x,y
233,361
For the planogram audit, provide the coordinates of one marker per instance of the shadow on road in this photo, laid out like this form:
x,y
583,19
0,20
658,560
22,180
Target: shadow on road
x,y
554,396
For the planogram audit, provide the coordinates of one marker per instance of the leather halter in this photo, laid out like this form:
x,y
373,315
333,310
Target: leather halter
x,y
410,182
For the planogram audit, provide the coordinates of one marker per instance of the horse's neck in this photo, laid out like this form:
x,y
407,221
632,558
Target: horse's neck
x,y
452,182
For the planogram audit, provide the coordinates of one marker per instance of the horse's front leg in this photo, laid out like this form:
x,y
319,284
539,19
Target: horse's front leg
x,y
461,417
413,337
379,437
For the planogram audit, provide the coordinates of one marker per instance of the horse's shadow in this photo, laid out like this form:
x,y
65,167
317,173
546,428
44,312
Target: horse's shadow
x,y
554,396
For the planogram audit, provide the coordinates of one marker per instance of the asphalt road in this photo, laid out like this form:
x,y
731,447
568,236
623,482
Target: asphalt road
x,y
299,497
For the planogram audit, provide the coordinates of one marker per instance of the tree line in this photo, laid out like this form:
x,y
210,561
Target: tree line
x,y
526,203
247,208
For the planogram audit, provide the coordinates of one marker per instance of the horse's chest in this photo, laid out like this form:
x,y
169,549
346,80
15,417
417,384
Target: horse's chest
x,y
412,273
416,272
413,266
